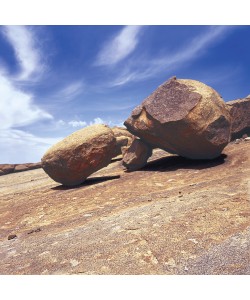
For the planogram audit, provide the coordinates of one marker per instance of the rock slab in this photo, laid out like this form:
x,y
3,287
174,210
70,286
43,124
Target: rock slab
x,y
80,154
240,114
184,117
13,168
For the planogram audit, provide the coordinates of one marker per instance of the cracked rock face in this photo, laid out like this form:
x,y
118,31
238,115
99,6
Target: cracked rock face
x,y
240,113
184,117
80,154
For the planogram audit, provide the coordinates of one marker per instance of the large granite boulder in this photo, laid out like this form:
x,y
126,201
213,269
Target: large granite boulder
x,y
184,117
136,155
80,154
240,114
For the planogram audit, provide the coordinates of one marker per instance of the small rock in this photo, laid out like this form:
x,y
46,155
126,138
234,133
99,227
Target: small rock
x,y
12,236
237,141
193,240
136,155
247,139
87,215
74,262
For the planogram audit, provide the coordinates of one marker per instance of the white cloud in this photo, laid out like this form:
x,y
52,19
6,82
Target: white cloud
x,y
17,146
17,107
97,121
120,46
80,123
77,123
27,53
147,68
74,123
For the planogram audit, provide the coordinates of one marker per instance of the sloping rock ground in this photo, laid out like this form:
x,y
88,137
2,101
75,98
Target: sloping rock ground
x,y
175,216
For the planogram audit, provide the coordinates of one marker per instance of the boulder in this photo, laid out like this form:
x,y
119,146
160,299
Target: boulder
x,y
240,114
136,156
123,139
80,154
184,117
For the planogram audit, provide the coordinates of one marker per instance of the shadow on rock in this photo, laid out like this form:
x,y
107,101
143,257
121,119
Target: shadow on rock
x,y
87,182
173,163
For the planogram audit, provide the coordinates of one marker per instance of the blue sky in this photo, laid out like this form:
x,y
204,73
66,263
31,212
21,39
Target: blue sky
x,y
55,80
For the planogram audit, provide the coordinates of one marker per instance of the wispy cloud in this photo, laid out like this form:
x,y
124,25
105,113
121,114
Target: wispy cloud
x,y
118,48
138,70
17,146
70,91
26,50
17,107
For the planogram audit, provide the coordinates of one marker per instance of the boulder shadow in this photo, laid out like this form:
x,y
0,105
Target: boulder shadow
x,y
87,182
173,163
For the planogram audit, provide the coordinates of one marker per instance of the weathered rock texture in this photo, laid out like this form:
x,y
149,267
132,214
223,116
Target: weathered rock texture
x,y
176,216
123,139
80,154
184,117
11,168
136,156
240,114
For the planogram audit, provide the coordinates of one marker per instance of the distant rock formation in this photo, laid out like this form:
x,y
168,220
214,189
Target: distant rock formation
x,y
80,154
12,168
184,117
135,157
240,113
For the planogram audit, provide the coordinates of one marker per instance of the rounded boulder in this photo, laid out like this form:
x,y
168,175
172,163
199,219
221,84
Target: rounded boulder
x,y
80,154
184,117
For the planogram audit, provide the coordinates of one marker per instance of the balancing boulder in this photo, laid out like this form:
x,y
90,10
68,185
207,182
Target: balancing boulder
x,y
184,117
80,154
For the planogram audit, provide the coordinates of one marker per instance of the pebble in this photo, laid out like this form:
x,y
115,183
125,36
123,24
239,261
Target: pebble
x,y
193,240
247,138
